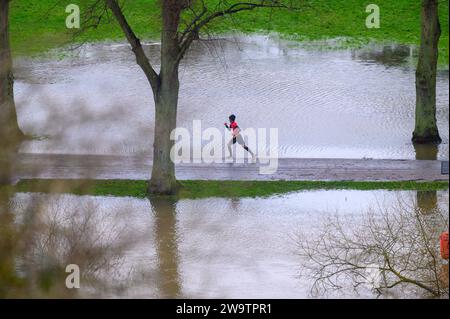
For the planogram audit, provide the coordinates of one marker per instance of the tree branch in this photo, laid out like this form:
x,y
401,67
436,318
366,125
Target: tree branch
x,y
141,58
200,21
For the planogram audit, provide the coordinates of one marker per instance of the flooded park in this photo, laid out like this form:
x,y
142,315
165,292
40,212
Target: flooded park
x,y
355,103
325,102
204,248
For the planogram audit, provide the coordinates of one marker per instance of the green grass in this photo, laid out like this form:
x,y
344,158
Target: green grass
x,y
205,189
39,25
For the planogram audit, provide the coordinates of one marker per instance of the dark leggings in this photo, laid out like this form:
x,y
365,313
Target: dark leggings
x,y
245,146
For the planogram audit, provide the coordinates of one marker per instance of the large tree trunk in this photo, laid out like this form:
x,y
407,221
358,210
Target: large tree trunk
x,y
426,130
165,86
8,118
163,179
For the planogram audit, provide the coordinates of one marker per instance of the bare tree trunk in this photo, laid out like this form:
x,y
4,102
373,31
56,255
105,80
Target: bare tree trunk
x,y
8,118
165,87
426,130
163,179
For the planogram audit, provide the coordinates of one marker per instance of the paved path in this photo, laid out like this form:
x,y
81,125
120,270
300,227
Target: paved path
x,y
125,167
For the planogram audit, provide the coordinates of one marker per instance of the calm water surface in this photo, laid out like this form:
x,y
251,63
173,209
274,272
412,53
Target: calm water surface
x,y
209,248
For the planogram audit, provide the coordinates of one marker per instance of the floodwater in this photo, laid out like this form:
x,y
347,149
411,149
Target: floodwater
x,y
204,248
95,100
325,103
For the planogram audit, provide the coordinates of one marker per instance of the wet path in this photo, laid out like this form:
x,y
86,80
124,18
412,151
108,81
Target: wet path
x,y
128,167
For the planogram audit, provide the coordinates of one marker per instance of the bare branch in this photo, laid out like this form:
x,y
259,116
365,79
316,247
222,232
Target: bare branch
x,y
202,19
397,244
141,58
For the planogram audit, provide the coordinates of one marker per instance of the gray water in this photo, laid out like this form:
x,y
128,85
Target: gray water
x,y
207,248
325,103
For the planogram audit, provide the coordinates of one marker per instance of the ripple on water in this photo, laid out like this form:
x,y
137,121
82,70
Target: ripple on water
x,y
325,103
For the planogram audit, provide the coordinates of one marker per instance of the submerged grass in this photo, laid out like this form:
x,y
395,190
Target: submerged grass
x,y
195,189
37,26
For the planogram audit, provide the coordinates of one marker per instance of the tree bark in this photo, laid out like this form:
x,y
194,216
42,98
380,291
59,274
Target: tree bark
x,y
426,130
8,118
163,180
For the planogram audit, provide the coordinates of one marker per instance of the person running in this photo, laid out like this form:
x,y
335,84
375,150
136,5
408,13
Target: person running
x,y
237,137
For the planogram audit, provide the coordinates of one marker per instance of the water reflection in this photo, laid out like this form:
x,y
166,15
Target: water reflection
x,y
12,237
167,246
426,152
25,270
235,204
163,248
8,279
393,250
427,201
387,55
40,236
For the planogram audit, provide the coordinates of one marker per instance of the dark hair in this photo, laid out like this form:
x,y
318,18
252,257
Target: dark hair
x,y
232,117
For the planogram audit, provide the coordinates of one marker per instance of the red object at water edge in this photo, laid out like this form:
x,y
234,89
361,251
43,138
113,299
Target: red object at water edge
x,y
444,245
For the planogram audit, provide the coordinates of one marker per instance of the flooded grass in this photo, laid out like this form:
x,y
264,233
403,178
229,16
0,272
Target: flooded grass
x,y
319,20
222,189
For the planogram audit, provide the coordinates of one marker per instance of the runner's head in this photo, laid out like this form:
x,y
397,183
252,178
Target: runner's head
x,y
232,118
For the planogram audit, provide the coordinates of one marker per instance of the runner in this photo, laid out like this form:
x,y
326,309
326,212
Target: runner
x,y
237,137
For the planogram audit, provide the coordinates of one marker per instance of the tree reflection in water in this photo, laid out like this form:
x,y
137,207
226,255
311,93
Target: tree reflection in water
x,y
390,250
39,240
427,201
167,246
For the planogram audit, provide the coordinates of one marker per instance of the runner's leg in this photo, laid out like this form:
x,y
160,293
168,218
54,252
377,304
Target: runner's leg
x,y
231,142
248,150
241,142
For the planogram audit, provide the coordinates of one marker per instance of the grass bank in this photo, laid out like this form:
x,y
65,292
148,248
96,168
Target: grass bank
x,y
39,25
204,189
